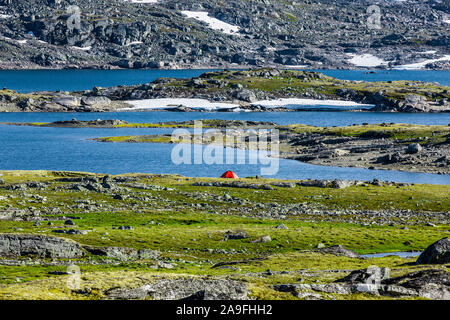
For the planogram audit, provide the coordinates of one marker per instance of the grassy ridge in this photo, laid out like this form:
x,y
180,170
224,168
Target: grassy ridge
x,y
400,132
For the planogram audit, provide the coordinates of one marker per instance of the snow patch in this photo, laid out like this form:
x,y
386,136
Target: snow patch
x,y
447,21
366,60
300,66
421,65
16,40
295,102
142,1
166,103
203,104
213,23
5,16
134,43
82,48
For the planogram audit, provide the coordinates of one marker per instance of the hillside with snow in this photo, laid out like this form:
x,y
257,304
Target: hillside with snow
x,y
231,34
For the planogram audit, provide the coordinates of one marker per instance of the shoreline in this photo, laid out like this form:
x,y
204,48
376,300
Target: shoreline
x,y
324,160
249,90
400,147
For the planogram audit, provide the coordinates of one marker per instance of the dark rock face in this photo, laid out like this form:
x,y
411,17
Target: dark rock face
x,y
437,253
129,35
431,284
185,289
48,247
417,280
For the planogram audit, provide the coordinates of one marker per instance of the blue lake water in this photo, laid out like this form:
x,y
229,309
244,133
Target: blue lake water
x,y
315,118
69,80
31,148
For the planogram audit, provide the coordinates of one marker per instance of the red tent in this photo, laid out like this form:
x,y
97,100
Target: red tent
x,y
230,175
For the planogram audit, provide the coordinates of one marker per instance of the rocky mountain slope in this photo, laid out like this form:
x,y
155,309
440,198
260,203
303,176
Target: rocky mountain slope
x,y
167,34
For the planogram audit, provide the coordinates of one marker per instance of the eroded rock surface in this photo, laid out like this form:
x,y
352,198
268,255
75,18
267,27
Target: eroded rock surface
x,y
437,253
185,289
49,247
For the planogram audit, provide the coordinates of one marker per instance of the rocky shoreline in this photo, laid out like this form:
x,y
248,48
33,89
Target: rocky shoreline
x,y
251,90
402,147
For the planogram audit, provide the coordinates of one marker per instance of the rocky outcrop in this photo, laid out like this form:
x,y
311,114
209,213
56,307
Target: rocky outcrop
x,y
234,184
430,284
184,289
95,103
15,215
366,276
47,247
339,251
437,253
414,148
122,253
235,235
414,103
16,245
80,123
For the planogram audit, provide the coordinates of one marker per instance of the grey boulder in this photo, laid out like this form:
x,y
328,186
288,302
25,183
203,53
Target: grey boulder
x,y
184,289
14,245
437,253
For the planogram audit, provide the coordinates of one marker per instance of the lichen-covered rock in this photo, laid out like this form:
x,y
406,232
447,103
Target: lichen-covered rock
x,y
431,284
370,275
14,245
339,251
414,148
437,253
185,289
68,101
96,102
122,253
236,235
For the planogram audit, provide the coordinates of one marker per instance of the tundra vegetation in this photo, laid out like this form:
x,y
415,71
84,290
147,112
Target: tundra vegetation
x,y
137,230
